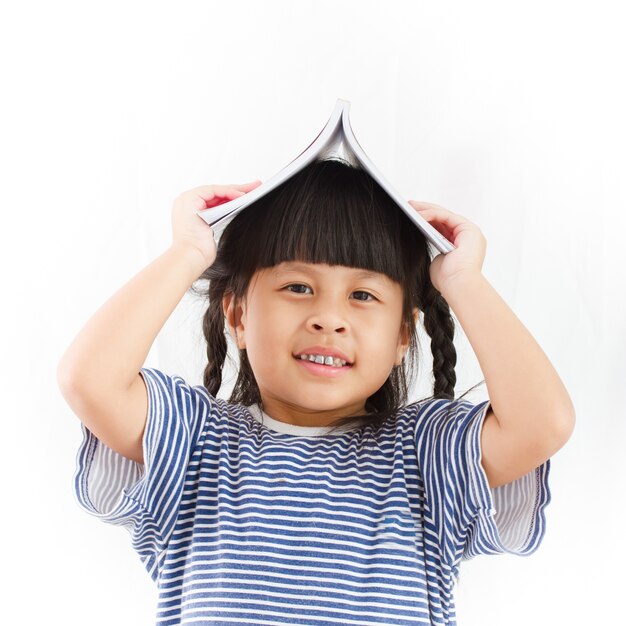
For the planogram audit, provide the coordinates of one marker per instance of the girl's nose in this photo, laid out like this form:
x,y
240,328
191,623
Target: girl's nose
x,y
327,321
321,327
329,313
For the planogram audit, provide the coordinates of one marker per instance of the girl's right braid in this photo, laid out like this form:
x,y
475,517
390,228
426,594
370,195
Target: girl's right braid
x,y
214,333
439,325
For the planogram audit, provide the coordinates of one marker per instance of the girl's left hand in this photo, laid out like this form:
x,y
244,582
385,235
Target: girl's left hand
x,y
470,244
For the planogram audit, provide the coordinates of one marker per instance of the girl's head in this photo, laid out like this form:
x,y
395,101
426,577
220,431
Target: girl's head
x,y
325,259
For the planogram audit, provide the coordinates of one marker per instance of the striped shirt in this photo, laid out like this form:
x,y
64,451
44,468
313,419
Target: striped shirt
x,y
242,519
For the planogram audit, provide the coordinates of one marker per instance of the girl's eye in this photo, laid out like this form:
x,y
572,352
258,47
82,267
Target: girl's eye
x,y
297,285
367,294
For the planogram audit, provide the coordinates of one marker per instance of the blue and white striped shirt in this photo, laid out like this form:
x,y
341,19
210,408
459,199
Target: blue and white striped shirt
x,y
243,522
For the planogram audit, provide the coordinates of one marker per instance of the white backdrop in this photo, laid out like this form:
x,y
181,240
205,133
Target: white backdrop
x,y
509,114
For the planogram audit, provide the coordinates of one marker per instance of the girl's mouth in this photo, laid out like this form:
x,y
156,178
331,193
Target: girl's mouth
x,y
318,369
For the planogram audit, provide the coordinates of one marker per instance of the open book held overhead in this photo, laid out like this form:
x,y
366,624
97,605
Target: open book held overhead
x,y
335,139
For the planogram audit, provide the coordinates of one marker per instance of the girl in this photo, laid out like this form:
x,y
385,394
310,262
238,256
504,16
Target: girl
x,y
316,495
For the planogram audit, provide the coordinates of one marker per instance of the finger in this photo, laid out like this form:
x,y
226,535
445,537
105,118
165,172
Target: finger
x,y
210,191
221,197
208,196
250,185
425,205
438,212
243,186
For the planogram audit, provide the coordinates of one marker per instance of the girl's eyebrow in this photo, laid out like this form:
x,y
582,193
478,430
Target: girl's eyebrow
x,y
301,268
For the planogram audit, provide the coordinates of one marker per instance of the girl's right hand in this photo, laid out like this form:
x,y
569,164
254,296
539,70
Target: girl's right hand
x,y
190,230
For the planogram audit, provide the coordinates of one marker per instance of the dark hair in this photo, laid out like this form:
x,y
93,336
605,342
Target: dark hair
x,y
331,212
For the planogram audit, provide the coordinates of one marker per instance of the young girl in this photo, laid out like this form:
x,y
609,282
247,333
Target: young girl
x,y
315,495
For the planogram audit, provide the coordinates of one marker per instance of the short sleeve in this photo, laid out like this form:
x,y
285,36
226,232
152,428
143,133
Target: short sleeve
x,y
145,498
469,516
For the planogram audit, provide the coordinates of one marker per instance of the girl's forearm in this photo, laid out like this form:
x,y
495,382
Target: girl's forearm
x,y
524,389
112,347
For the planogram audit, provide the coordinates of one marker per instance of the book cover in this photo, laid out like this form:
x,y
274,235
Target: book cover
x,y
335,139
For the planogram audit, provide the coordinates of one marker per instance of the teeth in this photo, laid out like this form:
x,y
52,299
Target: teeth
x,y
323,360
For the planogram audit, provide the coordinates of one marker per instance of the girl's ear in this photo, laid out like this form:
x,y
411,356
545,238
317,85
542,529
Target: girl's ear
x,y
405,338
234,315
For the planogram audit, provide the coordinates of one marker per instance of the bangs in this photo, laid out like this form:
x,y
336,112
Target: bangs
x,y
329,212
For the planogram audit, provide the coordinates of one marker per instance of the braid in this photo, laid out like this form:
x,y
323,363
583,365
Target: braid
x,y
439,325
246,390
213,329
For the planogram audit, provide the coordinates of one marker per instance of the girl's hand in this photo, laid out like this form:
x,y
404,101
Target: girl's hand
x,y
190,230
470,244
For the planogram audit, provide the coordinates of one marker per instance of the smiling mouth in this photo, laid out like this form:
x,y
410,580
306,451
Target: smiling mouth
x,y
325,371
336,363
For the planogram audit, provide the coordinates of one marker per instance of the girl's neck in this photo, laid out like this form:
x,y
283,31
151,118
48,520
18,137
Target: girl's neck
x,y
292,429
306,418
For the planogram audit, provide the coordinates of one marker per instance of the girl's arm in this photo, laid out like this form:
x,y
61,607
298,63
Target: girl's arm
x,y
531,414
99,373
111,348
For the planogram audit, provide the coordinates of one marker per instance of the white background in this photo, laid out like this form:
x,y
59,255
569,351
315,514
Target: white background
x,y
511,114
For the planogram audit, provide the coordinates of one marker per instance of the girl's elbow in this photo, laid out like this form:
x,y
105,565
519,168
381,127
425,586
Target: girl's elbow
x,y
563,415
566,425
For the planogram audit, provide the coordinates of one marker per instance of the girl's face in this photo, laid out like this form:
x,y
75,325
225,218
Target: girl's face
x,y
295,308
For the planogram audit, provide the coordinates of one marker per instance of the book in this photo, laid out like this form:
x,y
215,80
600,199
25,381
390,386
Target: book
x,y
336,139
